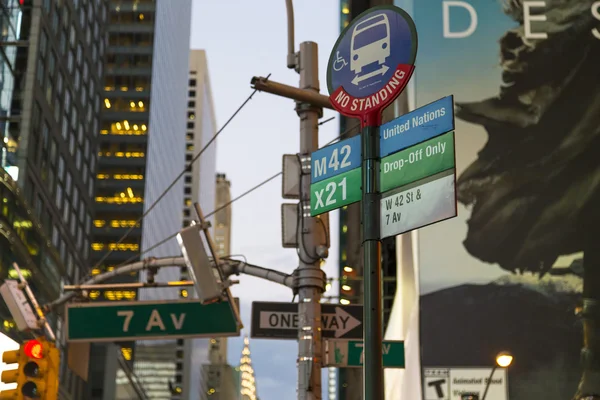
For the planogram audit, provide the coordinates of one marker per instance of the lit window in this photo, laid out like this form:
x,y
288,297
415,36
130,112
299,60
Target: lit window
x,y
126,351
116,295
119,200
125,128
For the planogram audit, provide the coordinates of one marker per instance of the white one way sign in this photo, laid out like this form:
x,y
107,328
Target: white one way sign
x,y
281,321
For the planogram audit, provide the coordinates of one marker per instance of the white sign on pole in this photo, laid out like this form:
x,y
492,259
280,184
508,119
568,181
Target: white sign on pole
x,y
418,206
449,383
18,305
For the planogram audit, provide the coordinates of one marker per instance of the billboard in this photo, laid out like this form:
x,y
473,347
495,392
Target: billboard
x,y
519,269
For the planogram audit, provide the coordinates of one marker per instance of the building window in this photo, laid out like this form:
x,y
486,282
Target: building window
x,y
70,62
51,64
63,42
190,125
192,94
40,72
61,168
192,83
191,104
43,43
68,184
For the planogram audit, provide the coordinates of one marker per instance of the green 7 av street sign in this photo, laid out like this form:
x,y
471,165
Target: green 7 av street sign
x,y
350,353
144,320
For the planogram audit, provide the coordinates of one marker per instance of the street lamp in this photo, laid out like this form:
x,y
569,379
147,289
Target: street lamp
x,y
503,360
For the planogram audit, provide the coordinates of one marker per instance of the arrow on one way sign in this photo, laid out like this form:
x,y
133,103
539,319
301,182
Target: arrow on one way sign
x,y
281,320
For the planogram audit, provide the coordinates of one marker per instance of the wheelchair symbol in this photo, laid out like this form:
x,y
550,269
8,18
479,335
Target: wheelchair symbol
x,y
339,62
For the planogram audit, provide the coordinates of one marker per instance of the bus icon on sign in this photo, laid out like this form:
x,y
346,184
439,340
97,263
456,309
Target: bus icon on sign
x,y
370,42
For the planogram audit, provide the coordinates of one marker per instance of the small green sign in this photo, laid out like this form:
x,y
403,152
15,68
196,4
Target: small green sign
x,y
417,162
335,192
350,353
116,321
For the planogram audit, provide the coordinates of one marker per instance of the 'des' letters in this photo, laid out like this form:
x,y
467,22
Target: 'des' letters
x,y
533,12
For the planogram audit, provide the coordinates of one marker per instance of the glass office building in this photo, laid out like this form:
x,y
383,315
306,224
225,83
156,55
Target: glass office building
x,y
51,74
141,151
181,375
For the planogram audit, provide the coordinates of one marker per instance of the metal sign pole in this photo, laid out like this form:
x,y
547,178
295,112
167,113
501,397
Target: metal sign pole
x,y
373,366
366,72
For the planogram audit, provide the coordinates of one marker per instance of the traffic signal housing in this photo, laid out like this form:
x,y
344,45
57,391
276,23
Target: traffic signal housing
x,y
14,375
41,370
37,374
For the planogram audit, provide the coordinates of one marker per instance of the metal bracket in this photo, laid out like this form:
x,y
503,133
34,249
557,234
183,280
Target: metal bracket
x,y
202,226
302,107
152,271
229,283
312,277
305,160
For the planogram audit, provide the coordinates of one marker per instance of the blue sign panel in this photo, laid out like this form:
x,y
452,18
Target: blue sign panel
x,y
417,126
335,159
372,60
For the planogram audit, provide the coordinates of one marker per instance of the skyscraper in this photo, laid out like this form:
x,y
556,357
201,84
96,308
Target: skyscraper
x,y
171,369
221,377
222,237
141,153
51,73
199,187
248,380
223,217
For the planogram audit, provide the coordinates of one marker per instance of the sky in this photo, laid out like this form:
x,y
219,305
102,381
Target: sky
x,y
243,39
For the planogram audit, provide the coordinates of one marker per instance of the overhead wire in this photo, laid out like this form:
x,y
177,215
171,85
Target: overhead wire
x,y
186,169
166,239
135,257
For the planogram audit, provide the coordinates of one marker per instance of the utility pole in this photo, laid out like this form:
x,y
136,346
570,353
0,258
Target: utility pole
x,y
309,273
309,270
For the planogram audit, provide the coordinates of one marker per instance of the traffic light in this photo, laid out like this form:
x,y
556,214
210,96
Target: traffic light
x,y
37,374
41,370
14,375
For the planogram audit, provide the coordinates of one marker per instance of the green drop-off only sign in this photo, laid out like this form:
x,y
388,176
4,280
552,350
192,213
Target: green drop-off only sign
x,y
116,321
417,162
